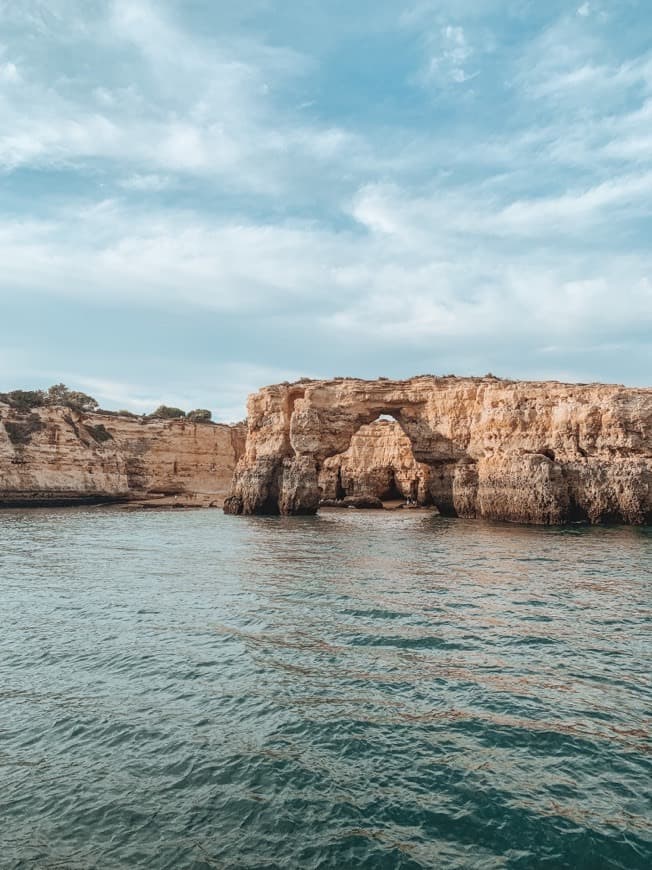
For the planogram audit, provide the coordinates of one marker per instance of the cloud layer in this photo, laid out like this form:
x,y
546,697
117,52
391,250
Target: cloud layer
x,y
194,204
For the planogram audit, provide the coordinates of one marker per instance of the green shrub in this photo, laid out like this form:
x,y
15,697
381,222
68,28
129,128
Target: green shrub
x,y
164,412
25,400
57,395
199,415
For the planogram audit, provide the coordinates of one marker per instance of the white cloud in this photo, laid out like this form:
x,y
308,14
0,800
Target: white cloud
x,y
470,210
146,183
584,10
449,263
201,108
9,72
449,51
165,260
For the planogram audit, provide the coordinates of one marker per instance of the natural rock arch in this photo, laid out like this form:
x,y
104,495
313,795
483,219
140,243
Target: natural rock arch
x,y
380,464
488,444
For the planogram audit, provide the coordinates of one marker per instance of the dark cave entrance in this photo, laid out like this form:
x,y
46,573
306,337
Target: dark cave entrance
x,y
392,493
340,492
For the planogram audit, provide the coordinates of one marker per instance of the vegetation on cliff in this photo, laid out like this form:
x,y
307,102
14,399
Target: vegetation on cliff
x,y
56,395
59,395
200,415
20,431
166,412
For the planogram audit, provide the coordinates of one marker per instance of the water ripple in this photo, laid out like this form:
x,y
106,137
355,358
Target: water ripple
x,y
190,690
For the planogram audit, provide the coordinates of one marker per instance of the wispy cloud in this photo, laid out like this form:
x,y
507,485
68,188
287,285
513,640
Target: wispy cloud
x,y
9,72
145,182
202,107
450,54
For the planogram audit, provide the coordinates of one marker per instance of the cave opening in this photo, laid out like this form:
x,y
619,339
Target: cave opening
x,y
577,513
340,492
392,493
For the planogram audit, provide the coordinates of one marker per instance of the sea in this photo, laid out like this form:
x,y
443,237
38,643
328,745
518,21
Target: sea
x,y
359,689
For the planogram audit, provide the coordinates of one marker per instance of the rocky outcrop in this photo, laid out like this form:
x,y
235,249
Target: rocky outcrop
x,y
366,502
379,463
57,456
532,452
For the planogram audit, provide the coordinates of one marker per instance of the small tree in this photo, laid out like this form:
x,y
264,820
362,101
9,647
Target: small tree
x,y
199,415
165,412
59,394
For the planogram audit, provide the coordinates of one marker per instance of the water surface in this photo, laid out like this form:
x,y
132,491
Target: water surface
x,y
189,690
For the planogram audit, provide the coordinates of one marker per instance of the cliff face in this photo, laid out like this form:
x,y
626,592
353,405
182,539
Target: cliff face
x,y
379,462
534,452
59,456
524,452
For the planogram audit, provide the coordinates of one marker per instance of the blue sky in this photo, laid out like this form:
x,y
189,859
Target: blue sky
x,y
198,198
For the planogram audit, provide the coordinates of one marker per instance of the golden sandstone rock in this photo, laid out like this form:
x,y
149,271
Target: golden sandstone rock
x,y
379,462
540,452
532,452
67,459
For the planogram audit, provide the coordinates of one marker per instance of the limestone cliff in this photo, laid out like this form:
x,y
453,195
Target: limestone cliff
x,y
534,452
52,455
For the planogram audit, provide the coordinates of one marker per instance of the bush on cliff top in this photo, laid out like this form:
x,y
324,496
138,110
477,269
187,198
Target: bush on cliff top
x,y
56,395
165,412
24,400
199,415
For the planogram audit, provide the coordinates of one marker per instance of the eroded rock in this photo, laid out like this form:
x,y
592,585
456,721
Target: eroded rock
x,y
379,462
534,452
56,456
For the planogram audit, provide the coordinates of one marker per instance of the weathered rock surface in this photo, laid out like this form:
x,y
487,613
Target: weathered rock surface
x,y
533,452
55,455
379,462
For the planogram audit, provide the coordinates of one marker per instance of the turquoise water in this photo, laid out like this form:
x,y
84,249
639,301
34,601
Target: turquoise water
x,y
189,690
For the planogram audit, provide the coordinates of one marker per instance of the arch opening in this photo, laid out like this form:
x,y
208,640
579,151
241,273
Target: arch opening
x,y
302,445
377,469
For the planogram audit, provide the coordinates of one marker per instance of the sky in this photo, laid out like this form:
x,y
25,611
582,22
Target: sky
x,y
199,197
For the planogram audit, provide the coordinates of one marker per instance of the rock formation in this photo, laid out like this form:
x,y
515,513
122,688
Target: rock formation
x,y
57,456
532,452
379,462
